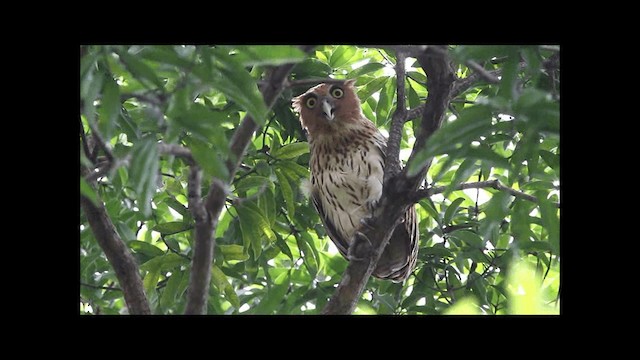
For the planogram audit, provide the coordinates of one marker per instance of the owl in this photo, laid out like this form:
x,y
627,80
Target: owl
x,y
347,168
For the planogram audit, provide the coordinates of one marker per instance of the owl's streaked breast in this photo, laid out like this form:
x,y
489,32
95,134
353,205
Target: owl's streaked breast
x,y
348,172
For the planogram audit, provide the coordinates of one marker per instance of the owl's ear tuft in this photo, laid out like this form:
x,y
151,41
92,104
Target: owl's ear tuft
x,y
350,82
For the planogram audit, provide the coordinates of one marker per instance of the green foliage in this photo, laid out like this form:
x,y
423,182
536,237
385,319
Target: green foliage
x,y
482,251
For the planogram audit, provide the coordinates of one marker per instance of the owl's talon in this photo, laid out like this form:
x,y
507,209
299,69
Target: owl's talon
x,y
360,247
368,223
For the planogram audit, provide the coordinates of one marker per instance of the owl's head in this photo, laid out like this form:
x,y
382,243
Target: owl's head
x,y
326,108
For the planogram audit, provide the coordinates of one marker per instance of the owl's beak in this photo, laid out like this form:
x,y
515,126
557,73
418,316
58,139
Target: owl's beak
x,y
328,110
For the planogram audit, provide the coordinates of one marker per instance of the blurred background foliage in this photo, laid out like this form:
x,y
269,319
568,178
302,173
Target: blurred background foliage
x,y
482,251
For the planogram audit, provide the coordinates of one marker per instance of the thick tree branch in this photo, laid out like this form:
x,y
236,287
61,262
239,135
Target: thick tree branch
x,y
119,256
396,196
205,227
392,162
493,184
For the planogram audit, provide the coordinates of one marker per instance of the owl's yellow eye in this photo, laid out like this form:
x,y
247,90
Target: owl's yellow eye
x,y
337,93
311,102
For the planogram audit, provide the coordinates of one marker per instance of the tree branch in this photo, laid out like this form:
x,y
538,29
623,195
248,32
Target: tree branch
x,y
119,256
311,82
494,184
85,144
177,150
482,72
100,287
392,162
206,225
396,195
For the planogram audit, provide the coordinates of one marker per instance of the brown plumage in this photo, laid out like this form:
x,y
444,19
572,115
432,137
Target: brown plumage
x,y
347,168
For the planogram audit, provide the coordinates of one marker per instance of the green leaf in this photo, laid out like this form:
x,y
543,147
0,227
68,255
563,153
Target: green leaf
x,y
218,278
364,69
143,172
291,151
473,122
165,262
431,210
170,291
417,76
177,206
464,171
202,122
438,251
274,296
307,254
109,107
535,246
233,252
551,159
145,248
139,69
487,156
124,231
87,191
383,108
311,68
253,183
287,192
538,185
231,296
283,246
234,81
292,167
208,159
468,237
550,220
366,91
452,210
170,228
267,204
151,278
165,54
253,225
341,56
269,55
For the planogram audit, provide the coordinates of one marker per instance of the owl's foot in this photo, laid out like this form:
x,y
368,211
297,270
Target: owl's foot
x,y
368,223
360,248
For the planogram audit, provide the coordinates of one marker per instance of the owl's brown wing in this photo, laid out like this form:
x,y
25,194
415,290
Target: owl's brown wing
x,y
399,257
338,240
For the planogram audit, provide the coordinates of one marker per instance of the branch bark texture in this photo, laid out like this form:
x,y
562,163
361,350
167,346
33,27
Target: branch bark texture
x,y
119,256
212,206
398,190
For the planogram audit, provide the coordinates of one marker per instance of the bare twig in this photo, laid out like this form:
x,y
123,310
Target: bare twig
x,y
100,287
494,184
177,150
482,72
